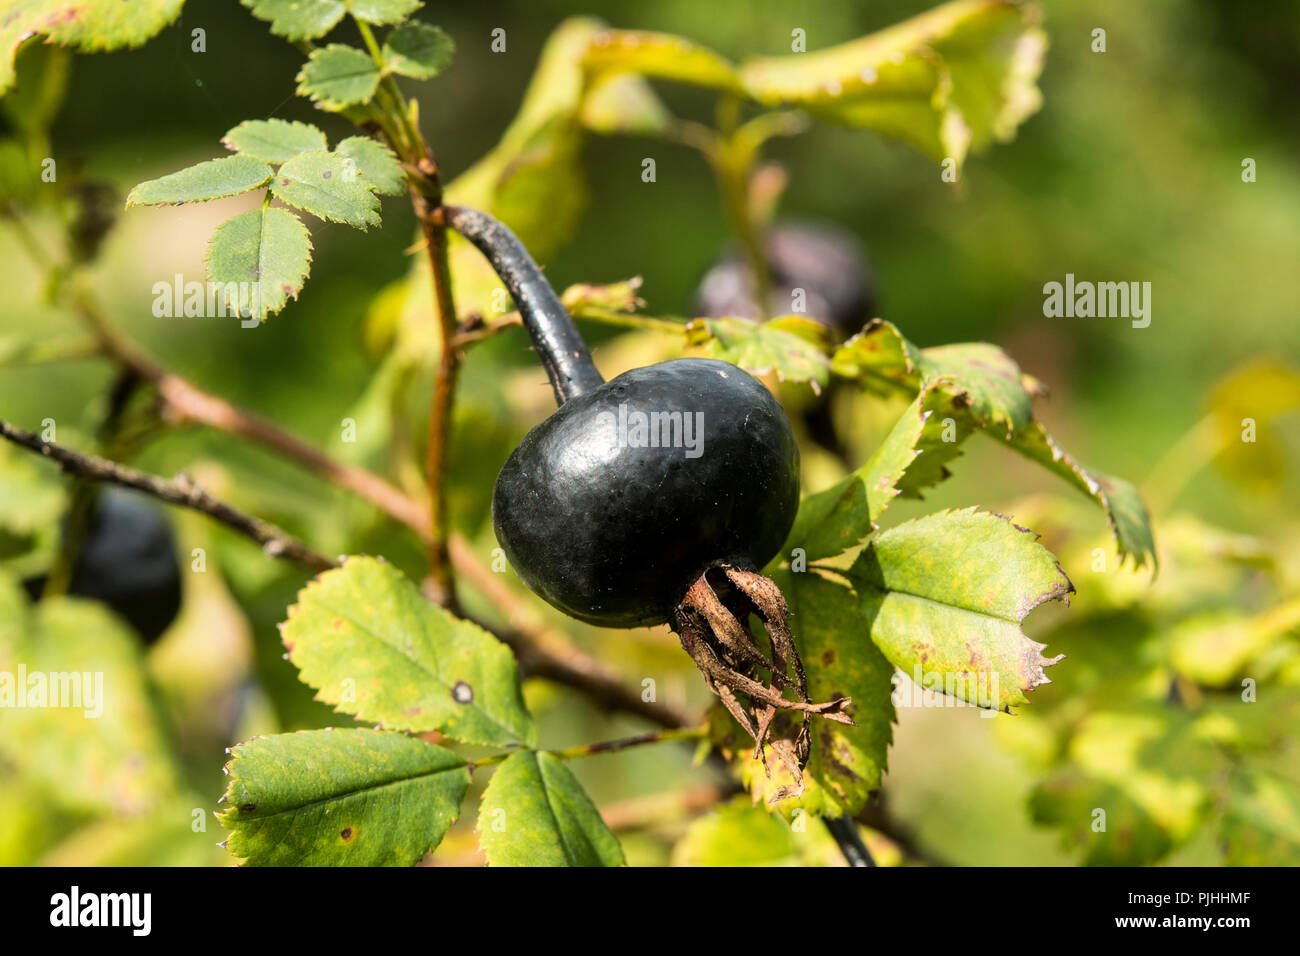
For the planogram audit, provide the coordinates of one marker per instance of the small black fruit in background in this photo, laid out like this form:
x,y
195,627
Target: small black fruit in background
x,y
827,262
655,497
128,561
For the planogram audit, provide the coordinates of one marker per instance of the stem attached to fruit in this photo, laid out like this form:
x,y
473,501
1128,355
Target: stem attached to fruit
x,y
564,355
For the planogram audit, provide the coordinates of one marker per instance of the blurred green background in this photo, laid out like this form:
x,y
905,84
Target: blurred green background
x,y
1130,171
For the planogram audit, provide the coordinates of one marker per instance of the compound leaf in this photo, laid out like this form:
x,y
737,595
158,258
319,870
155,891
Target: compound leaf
x,y
535,813
340,798
418,50
326,185
213,179
274,140
370,643
944,596
338,76
261,259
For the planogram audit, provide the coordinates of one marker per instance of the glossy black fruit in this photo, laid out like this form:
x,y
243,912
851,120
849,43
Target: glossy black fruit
x,y
128,561
612,530
654,498
828,263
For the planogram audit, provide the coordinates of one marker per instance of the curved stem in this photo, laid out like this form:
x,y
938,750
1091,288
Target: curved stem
x,y
564,355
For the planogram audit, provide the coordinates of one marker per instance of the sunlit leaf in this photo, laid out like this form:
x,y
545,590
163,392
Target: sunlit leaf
x,y
846,762
214,179
624,103
261,259
662,56
298,19
535,813
376,162
274,140
382,12
793,347
911,457
329,187
418,50
990,393
87,25
740,834
953,78
340,798
944,596
373,646
338,76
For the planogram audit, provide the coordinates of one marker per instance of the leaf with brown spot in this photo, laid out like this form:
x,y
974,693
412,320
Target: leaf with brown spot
x,y
944,596
408,663
340,798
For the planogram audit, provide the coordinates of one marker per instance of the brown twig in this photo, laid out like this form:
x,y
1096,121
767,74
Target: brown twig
x,y
182,491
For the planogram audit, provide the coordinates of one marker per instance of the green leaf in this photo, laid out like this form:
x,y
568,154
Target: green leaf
x,y
660,55
298,19
370,643
418,50
535,813
989,382
740,834
261,257
340,798
214,179
329,187
944,596
102,749
624,103
846,763
274,140
88,25
988,392
911,457
1261,826
382,12
376,162
1125,510
338,76
951,79
792,346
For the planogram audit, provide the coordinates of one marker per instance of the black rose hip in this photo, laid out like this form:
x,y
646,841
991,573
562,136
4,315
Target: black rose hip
x,y
652,498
